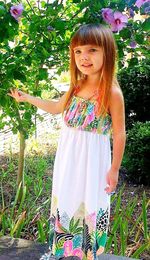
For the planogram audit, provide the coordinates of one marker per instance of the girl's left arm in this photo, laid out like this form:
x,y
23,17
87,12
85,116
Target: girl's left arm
x,y
117,112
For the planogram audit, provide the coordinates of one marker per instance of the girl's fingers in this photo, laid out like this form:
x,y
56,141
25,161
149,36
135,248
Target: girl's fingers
x,y
9,94
110,188
17,94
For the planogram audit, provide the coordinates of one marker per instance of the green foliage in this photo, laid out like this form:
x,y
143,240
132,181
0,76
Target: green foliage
x,y
28,49
18,217
134,82
136,158
125,233
146,25
39,42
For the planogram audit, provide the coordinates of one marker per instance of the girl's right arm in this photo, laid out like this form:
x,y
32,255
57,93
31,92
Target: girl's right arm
x,y
50,106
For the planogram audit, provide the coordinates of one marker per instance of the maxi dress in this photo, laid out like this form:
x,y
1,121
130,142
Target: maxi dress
x,y
80,207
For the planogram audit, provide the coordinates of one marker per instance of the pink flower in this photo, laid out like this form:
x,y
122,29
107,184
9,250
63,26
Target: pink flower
x,y
78,252
119,22
69,251
16,11
107,15
139,3
68,246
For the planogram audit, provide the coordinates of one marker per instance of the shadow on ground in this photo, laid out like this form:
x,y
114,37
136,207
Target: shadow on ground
x,y
20,249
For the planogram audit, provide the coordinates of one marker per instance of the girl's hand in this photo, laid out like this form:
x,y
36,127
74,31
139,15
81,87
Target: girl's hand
x,y
18,95
112,180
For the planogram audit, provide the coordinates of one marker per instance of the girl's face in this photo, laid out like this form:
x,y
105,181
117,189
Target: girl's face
x,y
89,59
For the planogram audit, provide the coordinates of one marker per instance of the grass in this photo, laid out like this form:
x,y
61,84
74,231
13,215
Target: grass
x,y
26,219
127,236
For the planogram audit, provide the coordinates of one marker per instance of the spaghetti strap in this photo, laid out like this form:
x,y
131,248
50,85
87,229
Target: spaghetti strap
x,y
95,93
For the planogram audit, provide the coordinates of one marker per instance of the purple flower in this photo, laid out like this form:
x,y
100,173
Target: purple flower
x,y
139,3
147,10
120,21
16,11
131,12
133,44
50,28
107,15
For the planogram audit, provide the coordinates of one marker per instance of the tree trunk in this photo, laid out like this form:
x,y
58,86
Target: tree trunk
x,y
20,176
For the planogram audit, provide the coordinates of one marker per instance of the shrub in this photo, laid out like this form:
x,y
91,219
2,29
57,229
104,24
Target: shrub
x,y
134,82
136,157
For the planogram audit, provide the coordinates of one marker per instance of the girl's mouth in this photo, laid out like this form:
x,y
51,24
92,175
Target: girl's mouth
x,y
87,66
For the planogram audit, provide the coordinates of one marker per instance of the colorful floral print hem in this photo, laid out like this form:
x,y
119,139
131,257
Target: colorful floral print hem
x,y
81,114
85,238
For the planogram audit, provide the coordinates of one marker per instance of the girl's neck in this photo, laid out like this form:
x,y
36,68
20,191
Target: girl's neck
x,y
92,81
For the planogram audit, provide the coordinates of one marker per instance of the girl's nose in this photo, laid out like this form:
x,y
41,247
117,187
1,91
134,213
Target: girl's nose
x,y
84,57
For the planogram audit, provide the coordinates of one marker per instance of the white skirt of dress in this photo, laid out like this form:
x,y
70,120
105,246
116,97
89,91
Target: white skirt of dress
x,y
79,180
82,161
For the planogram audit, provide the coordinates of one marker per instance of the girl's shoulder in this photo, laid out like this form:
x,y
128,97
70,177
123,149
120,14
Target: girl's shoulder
x,y
116,92
116,100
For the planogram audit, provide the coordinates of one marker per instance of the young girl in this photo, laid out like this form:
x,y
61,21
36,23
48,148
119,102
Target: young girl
x,y
84,174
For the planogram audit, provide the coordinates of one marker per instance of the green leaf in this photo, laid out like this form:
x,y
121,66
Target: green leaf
x,y
4,222
131,207
51,11
146,25
64,229
60,25
125,33
122,236
76,223
144,210
43,4
71,224
19,75
19,224
115,245
109,242
43,74
140,250
133,62
79,230
27,115
60,243
76,1
3,101
41,231
139,38
101,239
2,10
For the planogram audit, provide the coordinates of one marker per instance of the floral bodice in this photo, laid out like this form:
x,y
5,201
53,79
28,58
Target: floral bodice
x,y
81,114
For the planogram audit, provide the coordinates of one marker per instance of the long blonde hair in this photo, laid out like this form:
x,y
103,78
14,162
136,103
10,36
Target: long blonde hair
x,y
100,35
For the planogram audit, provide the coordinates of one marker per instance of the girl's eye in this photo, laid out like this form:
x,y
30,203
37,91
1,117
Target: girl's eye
x,y
92,50
77,52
